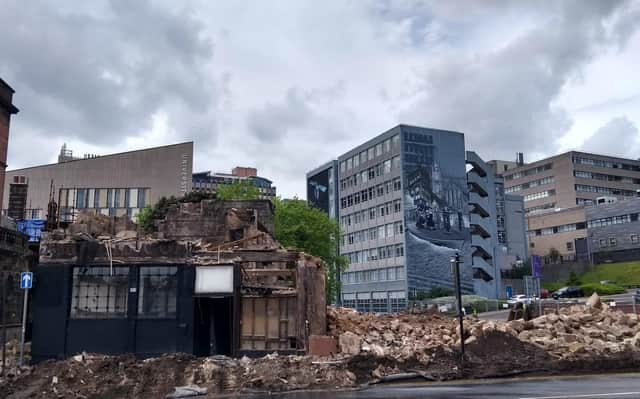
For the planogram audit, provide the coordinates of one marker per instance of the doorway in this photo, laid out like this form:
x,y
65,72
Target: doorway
x,y
213,333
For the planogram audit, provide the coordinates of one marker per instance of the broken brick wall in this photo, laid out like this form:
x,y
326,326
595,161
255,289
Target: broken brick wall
x,y
217,221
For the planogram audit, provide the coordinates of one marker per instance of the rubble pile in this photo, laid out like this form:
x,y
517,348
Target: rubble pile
x,y
398,336
89,375
572,333
374,348
12,353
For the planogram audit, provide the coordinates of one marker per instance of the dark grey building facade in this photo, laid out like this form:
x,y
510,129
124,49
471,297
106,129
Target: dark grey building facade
x,y
613,231
322,188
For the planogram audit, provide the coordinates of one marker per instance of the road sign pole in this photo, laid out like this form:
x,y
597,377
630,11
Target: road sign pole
x,y
539,298
455,263
24,325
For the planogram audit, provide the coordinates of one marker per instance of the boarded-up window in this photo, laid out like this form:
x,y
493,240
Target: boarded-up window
x,y
268,323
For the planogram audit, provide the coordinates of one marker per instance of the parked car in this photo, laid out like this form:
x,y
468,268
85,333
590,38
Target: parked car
x,y
520,299
568,292
636,297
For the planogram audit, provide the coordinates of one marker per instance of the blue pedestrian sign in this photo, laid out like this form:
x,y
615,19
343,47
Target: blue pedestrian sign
x,y
26,280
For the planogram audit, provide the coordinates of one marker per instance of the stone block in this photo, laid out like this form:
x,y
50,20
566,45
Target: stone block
x,y
322,345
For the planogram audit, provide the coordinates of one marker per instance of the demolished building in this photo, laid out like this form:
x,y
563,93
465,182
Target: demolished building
x,y
212,280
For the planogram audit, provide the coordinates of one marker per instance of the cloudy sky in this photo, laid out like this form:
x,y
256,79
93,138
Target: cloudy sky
x,y
286,85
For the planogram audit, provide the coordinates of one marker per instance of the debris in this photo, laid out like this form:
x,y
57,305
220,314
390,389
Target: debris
x,y
375,349
594,301
187,392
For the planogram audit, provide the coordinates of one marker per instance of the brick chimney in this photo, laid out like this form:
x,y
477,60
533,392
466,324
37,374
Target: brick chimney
x,y
6,110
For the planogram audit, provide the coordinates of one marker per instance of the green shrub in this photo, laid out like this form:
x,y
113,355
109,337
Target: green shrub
x,y
602,289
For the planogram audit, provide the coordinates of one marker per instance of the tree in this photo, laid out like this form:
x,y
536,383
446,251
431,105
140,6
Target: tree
x,y
554,254
238,190
306,228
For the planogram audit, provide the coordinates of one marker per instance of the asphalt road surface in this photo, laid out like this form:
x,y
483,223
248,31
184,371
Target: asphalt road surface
x,y
623,386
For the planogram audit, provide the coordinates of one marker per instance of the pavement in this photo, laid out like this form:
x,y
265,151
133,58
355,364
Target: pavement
x,y
624,386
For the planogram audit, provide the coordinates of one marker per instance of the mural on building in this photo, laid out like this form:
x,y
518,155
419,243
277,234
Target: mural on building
x,y
435,204
318,190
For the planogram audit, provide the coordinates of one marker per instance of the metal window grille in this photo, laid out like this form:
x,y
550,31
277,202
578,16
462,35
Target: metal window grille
x,y
99,294
157,295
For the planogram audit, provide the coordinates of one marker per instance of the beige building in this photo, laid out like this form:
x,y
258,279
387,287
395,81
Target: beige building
x,y
118,184
555,190
558,230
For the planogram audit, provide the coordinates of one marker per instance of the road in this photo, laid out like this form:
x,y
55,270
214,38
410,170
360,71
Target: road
x,y
624,386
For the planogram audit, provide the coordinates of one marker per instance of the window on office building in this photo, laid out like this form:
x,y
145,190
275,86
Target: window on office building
x,y
397,301
603,243
612,241
634,239
395,140
569,246
395,162
387,166
379,302
378,149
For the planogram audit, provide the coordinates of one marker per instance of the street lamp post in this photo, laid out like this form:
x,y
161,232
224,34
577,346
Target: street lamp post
x,y
455,268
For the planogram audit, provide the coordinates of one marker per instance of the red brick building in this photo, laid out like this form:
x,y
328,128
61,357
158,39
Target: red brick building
x,y
6,110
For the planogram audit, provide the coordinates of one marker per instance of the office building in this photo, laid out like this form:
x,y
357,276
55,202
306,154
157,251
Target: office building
x,y
613,231
401,199
483,216
500,167
209,182
6,110
497,226
118,184
513,231
560,183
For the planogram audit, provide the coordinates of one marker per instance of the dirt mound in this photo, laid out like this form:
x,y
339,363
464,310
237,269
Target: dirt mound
x,y
497,353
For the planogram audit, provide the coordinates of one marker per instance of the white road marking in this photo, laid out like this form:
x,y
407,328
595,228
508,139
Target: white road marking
x,y
593,395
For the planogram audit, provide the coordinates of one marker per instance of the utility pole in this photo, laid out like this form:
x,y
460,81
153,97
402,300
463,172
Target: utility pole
x,y
455,268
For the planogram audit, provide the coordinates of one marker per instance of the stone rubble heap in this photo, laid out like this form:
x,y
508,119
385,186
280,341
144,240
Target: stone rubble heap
x,y
398,336
577,331
374,348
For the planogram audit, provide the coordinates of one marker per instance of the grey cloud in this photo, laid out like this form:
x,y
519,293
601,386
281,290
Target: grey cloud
x,y
274,120
503,100
100,76
314,114
619,137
